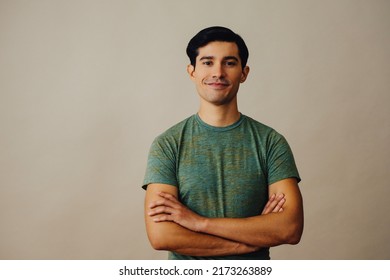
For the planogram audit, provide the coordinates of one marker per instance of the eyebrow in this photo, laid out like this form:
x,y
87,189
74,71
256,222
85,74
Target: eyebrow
x,y
230,58
206,57
225,58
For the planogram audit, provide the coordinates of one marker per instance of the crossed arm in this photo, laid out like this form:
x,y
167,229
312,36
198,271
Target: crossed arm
x,y
172,226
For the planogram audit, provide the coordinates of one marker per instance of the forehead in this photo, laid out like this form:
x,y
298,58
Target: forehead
x,y
218,49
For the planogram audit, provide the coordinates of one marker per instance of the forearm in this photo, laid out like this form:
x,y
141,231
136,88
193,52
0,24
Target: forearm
x,y
172,226
172,237
261,231
264,230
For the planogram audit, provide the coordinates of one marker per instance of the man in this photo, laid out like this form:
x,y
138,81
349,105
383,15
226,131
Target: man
x,y
220,185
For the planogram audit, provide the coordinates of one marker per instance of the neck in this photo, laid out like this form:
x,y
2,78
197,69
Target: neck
x,y
219,116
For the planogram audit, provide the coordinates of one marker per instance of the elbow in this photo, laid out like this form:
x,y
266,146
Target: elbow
x,y
161,242
158,243
162,236
157,236
293,235
294,239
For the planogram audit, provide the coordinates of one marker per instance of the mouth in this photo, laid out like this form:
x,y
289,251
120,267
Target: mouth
x,y
218,85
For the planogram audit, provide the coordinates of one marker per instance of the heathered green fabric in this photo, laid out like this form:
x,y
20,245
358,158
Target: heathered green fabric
x,y
221,171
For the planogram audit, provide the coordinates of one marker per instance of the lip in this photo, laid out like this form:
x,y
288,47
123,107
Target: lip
x,y
218,85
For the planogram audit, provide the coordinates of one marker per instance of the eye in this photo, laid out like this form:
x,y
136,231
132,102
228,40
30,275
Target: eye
x,y
207,62
231,63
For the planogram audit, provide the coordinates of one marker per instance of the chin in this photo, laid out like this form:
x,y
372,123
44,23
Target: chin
x,y
221,102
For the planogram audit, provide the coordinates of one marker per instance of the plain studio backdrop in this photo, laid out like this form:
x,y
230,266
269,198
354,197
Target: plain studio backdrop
x,y
85,86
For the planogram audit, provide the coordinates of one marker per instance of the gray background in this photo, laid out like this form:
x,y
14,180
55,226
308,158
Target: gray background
x,y
85,86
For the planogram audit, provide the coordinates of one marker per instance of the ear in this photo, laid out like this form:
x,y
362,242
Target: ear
x,y
191,71
244,74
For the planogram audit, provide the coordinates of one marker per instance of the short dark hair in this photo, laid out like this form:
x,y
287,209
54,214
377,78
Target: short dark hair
x,y
220,34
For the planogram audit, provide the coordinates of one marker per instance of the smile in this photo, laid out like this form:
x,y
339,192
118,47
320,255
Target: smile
x,y
218,85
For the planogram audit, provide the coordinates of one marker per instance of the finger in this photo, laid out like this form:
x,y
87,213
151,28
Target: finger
x,y
273,202
279,206
168,196
162,202
160,210
266,207
163,218
277,203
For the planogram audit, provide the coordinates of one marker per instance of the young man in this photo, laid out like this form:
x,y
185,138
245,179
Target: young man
x,y
220,185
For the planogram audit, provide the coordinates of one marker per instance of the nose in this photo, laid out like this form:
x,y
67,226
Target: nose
x,y
218,71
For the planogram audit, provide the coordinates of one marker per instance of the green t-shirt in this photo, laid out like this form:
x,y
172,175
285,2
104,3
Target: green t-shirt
x,y
221,171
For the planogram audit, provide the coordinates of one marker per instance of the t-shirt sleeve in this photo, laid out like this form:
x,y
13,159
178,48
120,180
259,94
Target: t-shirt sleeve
x,y
161,164
280,164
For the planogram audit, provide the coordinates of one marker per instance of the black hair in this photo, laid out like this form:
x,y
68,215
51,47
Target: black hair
x,y
212,34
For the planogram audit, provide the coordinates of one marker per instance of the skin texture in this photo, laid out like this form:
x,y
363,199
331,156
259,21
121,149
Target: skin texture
x,y
217,76
171,236
272,228
173,226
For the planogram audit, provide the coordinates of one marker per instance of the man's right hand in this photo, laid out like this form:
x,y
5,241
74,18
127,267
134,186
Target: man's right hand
x,y
275,204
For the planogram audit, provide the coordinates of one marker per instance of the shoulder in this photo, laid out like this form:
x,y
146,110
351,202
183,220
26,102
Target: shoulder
x,y
262,130
256,123
173,134
178,128
267,138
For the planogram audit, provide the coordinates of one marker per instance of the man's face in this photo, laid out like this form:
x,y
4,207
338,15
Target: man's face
x,y
218,72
